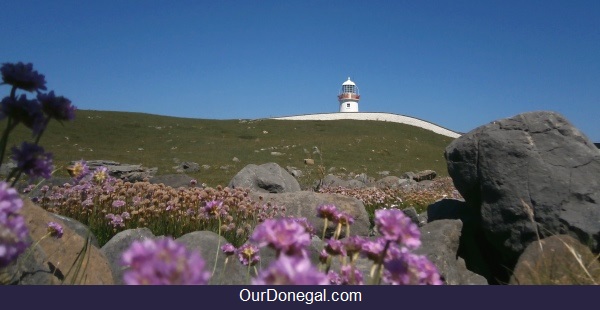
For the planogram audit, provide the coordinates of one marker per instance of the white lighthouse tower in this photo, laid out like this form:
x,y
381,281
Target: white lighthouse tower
x,y
349,97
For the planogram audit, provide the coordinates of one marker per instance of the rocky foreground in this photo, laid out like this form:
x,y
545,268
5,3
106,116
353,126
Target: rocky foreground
x,y
530,213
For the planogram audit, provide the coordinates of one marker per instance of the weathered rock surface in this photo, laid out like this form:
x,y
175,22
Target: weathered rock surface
x,y
440,242
425,175
395,182
531,172
62,253
125,172
172,180
187,167
31,268
331,180
114,248
474,248
266,178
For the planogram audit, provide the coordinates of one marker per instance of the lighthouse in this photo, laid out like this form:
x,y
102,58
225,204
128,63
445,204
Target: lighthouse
x,y
349,97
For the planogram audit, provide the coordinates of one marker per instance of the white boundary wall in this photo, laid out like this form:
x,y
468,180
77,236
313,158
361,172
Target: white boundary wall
x,y
374,116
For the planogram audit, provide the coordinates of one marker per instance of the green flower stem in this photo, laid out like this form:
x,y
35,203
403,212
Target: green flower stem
x,y
338,230
39,136
16,178
224,267
218,247
324,229
248,274
79,262
328,264
352,275
9,127
372,273
379,266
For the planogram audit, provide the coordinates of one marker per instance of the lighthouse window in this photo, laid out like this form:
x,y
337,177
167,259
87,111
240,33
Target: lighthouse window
x,y
347,105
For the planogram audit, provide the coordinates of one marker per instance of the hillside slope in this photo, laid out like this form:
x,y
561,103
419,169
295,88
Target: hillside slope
x,y
160,141
376,116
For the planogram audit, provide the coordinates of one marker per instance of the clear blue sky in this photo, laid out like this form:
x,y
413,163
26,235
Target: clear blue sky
x,y
460,64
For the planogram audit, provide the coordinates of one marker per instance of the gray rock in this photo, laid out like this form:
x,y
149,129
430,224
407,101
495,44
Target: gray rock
x,y
31,268
187,167
451,209
331,180
395,182
172,180
266,178
95,163
411,212
118,244
424,175
530,173
474,248
409,175
304,204
440,242
62,253
295,172
126,172
364,178
208,245
6,168
422,218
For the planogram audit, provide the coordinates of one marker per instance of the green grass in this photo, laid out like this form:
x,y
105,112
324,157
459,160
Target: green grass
x,y
357,146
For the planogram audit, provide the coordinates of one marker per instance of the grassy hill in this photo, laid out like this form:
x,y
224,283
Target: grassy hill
x,y
160,141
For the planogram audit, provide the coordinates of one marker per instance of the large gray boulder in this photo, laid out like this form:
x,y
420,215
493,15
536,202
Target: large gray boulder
x,y
119,243
266,178
31,268
304,204
474,248
440,242
331,180
530,174
395,182
64,252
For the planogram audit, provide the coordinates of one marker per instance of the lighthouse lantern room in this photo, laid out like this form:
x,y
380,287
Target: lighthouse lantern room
x,y
349,97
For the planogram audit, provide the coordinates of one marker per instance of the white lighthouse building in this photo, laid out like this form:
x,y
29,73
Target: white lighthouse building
x,y
349,97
